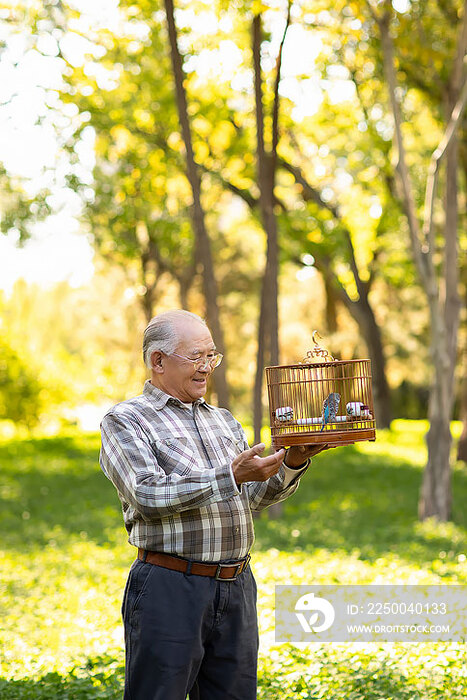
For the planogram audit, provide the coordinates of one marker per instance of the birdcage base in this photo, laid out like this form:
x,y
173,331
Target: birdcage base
x,y
332,438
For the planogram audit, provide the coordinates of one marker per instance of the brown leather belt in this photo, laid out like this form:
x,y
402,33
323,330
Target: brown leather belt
x,y
223,572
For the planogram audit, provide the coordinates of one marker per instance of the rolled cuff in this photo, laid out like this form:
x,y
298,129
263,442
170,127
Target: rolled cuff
x,y
291,474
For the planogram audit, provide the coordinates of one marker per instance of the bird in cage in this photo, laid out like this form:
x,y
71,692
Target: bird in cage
x,y
330,406
356,409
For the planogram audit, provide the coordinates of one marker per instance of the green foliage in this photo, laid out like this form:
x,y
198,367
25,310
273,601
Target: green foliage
x,y
100,677
119,96
364,505
378,675
20,390
138,207
77,349
64,561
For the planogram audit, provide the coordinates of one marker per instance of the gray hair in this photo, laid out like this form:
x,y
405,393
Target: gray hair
x,y
162,333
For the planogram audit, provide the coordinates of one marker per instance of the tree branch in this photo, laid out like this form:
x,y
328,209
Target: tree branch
x,y
423,260
433,169
454,121
258,88
244,194
311,194
275,109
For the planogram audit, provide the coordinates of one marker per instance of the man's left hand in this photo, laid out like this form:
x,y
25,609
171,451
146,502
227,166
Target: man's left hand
x,y
297,455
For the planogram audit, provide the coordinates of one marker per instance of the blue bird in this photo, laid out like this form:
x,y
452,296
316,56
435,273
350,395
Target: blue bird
x,y
330,406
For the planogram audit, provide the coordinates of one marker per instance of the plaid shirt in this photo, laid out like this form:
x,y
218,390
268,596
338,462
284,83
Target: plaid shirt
x,y
171,466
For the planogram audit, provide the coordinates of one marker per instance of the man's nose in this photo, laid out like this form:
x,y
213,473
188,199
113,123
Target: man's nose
x,y
205,367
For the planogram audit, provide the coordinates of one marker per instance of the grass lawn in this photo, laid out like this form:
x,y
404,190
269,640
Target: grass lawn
x,y
64,561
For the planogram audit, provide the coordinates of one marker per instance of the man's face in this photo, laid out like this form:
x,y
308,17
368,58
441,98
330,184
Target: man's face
x,y
180,378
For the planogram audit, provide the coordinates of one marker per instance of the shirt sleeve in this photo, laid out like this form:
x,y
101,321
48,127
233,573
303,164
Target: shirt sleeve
x,y
293,474
128,460
276,489
262,494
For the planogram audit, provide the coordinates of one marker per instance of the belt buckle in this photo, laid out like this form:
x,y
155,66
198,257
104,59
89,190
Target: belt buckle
x,y
239,568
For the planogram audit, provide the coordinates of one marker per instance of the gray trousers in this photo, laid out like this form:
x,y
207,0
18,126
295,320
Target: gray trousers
x,y
189,635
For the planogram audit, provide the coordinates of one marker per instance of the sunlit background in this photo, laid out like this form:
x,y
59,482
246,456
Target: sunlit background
x,y
62,280
97,235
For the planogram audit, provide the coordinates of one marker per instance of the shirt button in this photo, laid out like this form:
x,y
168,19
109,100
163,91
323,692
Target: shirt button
x,y
237,530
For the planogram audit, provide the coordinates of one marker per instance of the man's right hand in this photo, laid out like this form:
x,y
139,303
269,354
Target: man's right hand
x,y
249,466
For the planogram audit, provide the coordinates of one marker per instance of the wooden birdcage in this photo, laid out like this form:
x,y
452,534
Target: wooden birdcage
x,y
320,400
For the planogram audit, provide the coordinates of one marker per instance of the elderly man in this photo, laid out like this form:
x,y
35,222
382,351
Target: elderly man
x,y
188,483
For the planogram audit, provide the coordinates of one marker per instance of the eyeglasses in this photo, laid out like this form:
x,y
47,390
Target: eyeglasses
x,y
203,363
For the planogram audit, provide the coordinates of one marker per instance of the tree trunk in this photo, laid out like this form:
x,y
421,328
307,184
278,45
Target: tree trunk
x,y
435,495
441,290
360,309
260,355
198,218
462,444
147,304
363,314
147,299
268,325
183,293
331,302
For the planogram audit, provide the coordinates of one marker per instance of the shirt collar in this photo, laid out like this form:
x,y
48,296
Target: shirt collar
x,y
160,399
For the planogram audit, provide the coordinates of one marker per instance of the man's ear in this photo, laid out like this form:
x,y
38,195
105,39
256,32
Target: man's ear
x,y
156,362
